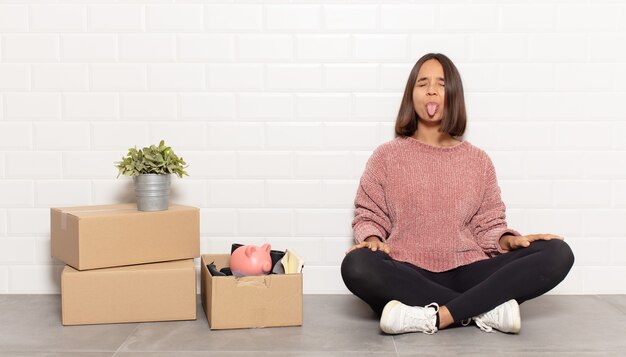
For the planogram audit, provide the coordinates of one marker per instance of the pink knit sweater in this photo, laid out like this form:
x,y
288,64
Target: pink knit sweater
x,y
437,207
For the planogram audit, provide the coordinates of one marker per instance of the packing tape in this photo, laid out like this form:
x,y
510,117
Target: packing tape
x,y
253,281
72,211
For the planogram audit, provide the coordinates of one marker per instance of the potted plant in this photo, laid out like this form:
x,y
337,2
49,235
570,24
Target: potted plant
x,y
150,168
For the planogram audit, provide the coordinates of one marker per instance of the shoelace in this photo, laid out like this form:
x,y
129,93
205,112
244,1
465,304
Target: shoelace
x,y
481,320
415,319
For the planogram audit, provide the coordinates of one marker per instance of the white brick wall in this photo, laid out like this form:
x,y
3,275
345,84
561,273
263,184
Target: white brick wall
x,y
277,106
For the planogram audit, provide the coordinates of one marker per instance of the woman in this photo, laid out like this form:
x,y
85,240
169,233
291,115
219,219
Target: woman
x,y
432,245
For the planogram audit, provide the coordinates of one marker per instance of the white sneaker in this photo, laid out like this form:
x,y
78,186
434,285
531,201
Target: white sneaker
x,y
505,318
399,318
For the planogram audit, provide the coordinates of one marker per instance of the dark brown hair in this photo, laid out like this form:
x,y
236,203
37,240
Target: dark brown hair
x,y
454,118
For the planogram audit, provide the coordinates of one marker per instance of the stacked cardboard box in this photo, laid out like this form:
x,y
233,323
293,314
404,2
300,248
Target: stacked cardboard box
x,y
125,265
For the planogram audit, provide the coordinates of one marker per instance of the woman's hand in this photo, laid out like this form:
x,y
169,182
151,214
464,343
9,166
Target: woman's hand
x,y
511,242
373,243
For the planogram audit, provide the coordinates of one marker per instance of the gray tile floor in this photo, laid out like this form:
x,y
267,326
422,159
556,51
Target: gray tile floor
x,y
334,325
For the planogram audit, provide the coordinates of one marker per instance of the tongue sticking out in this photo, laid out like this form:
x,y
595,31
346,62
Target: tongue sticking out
x,y
432,108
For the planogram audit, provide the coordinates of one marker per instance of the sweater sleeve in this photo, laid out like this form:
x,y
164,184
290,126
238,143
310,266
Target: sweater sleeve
x,y
371,216
489,222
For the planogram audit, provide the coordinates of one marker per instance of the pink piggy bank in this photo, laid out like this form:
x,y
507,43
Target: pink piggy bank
x,y
251,260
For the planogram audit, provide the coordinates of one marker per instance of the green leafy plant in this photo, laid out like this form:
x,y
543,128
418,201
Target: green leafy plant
x,y
151,160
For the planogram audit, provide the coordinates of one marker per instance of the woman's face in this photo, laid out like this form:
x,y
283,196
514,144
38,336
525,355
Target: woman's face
x,y
429,91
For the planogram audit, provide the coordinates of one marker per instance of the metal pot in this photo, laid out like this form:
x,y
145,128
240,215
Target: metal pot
x,y
152,191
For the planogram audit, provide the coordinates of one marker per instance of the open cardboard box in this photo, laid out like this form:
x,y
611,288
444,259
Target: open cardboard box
x,y
137,293
91,237
252,301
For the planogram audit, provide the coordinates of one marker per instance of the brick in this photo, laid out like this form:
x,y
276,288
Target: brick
x,y
527,194
120,190
590,251
294,76
176,77
479,77
188,191
41,106
15,135
323,222
178,17
376,106
408,17
554,165
352,17
584,77
558,106
582,194
61,136
207,106
43,252
393,77
565,222
602,279
90,106
323,165
240,136
89,47
147,47
308,248
526,77
351,76
265,47
3,221
289,194
616,250
117,135
559,47
323,106
603,222
30,47
202,47
611,107
474,17
339,193
602,46
118,77
575,135
607,165
14,193
235,76
16,251
516,135
323,47
498,47
21,165
351,136
381,47
239,193
52,193
618,131
335,249
455,46
218,222
516,17
14,77
293,17
28,222
117,17
60,76
587,17
294,136
265,222
265,106
234,17
13,18
34,279
149,106
324,280
495,106
264,165
91,164
204,164
57,17
180,135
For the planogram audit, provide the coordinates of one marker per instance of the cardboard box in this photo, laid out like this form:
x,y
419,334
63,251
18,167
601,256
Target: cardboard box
x,y
93,237
252,301
138,293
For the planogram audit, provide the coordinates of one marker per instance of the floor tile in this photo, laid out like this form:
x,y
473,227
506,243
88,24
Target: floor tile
x,y
619,301
331,323
33,323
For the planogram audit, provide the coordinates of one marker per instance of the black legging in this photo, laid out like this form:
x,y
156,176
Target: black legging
x,y
466,291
